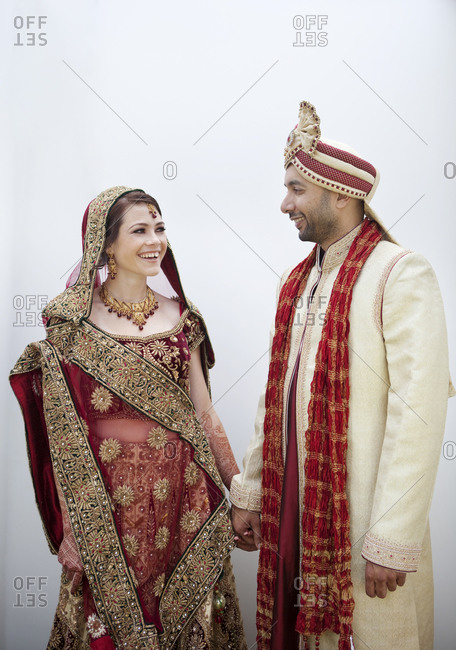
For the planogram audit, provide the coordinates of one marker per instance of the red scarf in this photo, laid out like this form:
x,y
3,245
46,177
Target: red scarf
x,y
325,524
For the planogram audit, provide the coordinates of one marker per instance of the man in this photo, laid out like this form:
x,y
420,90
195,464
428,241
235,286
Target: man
x,y
348,433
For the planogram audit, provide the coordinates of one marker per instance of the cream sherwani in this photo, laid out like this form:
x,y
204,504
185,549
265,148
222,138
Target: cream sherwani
x,y
399,385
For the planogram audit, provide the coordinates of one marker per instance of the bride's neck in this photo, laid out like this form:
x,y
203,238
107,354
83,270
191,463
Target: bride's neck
x,y
127,289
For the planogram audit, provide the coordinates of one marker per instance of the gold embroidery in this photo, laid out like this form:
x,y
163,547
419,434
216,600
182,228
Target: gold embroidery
x,y
133,576
172,359
195,333
101,399
191,521
150,393
191,474
110,449
161,489
159,347
159,584
97,543
29,360
124,495
113,597
131,544
162,537
84,495
151,337
168,358
196,643
157,438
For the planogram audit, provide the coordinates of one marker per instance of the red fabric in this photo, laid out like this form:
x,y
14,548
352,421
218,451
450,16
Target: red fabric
x,y
333,175
27,389
103,643
326,542
286,599
347,157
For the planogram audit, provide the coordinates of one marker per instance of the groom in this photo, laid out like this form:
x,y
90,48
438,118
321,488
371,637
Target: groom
x,y
348,433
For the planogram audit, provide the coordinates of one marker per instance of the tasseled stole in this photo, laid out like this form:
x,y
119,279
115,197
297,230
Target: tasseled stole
x,y
327,592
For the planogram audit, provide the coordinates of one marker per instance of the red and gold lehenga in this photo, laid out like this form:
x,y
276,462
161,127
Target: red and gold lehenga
x,y
119,459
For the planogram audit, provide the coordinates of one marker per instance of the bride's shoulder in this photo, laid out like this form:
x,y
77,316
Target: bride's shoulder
x,y
172,306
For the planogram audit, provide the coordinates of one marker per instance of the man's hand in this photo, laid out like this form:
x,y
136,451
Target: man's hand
x,y
379,580
246,525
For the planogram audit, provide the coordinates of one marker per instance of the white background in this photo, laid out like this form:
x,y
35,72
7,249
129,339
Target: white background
x,y
384,83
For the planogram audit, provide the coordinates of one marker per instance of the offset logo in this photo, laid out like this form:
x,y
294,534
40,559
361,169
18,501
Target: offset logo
x,y
310,30
30,591
30,31
28,310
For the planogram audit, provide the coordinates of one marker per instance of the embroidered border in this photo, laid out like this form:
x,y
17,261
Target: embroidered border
x,y
91,517
29,360
391,555
185,591
152,337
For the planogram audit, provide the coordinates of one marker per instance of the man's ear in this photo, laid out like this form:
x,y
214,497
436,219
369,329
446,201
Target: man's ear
x,y
342,200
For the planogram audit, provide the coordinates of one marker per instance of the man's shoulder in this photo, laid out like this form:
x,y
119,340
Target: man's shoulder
x,y
394,271
386,250
387,256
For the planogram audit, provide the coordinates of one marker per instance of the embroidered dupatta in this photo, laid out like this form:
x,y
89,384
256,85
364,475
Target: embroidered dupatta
x,y
60,449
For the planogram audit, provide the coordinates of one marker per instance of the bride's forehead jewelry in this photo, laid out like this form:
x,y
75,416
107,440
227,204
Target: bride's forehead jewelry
x,y
152,209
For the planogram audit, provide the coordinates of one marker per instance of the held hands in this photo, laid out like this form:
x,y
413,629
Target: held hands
x,y
380,579
246,525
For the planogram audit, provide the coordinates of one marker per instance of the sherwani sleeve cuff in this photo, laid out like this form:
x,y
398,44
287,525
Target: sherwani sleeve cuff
x,y
245,489
245,497
391,555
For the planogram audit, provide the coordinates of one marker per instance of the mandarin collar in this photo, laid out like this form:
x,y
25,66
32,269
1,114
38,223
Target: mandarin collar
x,y
336,252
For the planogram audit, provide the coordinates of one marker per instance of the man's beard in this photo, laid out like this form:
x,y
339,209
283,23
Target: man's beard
x,y
322,225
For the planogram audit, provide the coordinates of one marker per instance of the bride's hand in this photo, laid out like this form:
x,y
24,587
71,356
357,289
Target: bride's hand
x,y
69,558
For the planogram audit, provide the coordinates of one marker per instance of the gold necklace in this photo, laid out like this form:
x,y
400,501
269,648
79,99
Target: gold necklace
x,y
138,312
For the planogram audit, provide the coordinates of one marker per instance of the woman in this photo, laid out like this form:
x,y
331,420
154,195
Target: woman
x,y
126,451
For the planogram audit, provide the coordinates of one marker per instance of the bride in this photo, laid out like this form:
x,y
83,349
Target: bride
x,y
129,459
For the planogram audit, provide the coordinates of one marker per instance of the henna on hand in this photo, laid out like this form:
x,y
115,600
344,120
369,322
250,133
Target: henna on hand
x,y
220,446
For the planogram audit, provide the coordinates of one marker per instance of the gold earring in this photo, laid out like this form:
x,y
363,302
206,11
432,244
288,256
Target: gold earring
x,y
112,268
